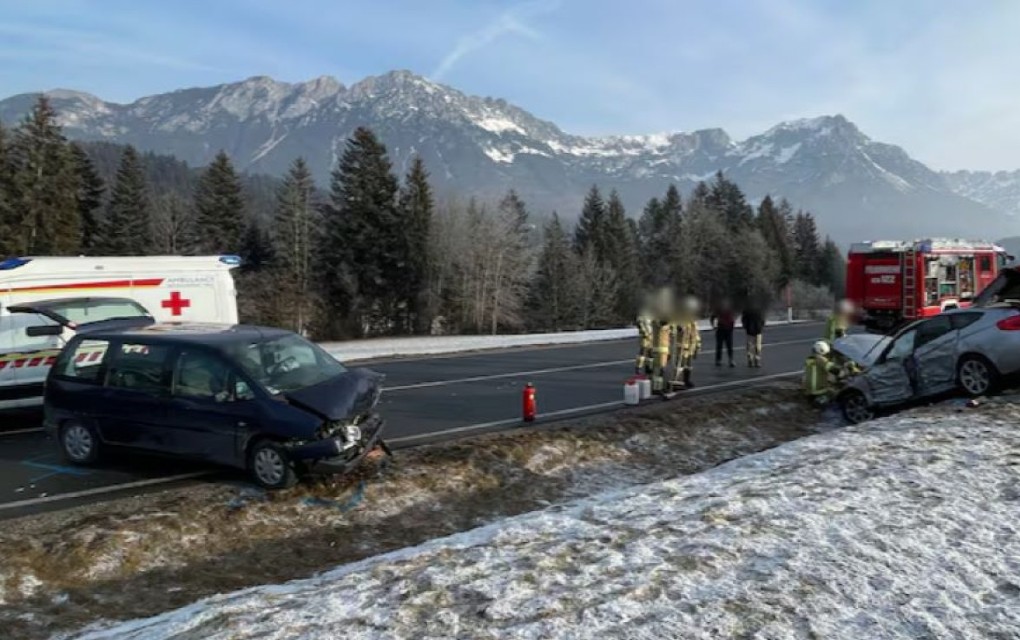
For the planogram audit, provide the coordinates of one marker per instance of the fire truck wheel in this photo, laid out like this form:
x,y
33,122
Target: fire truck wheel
x,y
975,375
855,407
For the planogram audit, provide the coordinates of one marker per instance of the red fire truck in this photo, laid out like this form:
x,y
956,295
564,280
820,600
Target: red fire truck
x,y
892,282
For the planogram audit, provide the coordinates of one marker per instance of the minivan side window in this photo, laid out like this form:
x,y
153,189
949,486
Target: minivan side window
x,y
140,367
202,375
85,363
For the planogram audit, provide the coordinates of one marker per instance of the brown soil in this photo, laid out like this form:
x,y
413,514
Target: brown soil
x,y
139,556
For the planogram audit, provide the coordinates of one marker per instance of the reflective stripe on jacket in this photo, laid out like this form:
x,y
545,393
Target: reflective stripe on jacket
x,y
836,327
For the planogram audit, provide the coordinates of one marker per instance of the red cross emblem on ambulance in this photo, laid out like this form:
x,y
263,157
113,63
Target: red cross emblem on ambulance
x,y
176,304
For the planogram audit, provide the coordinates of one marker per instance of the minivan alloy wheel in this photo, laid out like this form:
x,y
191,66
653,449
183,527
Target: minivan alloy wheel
x,y
270,467
78,442
975,376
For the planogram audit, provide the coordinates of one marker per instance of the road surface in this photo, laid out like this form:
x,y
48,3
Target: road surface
x,y
426,399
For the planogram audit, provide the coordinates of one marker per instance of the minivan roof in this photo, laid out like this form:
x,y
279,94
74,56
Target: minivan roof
x,y
192,333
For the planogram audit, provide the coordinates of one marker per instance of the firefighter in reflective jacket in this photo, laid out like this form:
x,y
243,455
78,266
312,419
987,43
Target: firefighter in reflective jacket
x,y
839,322
688,342
662,338
820,374
646,338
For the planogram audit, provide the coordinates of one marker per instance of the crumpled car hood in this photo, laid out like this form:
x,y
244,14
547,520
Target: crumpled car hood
x,y
862,348
351,394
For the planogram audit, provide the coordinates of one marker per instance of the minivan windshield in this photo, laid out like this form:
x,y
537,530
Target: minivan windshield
x,y
287,363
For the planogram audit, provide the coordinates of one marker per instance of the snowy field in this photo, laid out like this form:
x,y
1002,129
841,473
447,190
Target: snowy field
x,y
902,528
354,350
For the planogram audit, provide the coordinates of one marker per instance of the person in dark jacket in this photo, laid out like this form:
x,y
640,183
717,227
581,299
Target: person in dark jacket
x,y
753,321
723,321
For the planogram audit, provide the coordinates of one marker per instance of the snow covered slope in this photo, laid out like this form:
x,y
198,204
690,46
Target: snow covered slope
x,y
904,528
999,190
483,146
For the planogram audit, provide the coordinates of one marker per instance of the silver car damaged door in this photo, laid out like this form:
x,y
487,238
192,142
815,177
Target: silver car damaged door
x,y
935,355
888,378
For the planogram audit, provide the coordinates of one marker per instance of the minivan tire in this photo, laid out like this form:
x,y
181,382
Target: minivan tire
x,y
79,443
976,376
855,407
270,466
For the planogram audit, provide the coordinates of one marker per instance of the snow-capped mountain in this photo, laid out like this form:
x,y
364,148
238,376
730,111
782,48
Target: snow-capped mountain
x,y
857,187
1000,190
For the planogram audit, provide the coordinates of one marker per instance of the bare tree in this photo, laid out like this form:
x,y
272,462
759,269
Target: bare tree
x,y
173,224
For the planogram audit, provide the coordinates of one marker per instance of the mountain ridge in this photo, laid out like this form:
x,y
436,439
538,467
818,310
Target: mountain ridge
x,y
482,146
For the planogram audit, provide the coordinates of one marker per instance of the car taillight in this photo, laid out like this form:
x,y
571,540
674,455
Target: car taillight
x,y
1011,323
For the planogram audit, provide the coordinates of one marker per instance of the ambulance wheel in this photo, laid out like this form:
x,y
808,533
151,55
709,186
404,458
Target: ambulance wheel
x,y
79,443
270,466
855,407
976,376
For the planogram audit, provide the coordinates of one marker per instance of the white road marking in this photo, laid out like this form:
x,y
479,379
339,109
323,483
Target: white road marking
x,y
101,490
498,376
591,407
465,429
539,372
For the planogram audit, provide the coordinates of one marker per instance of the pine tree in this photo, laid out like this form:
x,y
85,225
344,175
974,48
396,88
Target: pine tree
x,y
360,259
775,229
590,235
90,198
8,221
553,298
807,248
47,218
726,197
832,268
256,249
416,210
622,257
296,228
219,208
127,228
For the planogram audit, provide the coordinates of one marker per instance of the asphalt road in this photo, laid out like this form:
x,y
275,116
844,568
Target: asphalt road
x,y
426,399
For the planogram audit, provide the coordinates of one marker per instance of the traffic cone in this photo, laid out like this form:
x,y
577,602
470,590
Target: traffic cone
x,y
529,406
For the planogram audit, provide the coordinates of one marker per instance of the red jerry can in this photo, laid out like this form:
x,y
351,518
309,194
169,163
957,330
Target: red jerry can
x,y
529,407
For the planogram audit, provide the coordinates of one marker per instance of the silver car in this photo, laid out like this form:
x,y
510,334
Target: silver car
x,y
968,349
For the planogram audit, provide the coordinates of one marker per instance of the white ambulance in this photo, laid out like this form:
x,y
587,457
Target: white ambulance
x,y
46,293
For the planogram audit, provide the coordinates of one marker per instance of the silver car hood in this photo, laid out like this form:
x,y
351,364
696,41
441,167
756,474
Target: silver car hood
x,y
862,348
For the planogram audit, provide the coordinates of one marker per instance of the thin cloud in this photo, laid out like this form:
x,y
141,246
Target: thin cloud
x,y
89,43
510,22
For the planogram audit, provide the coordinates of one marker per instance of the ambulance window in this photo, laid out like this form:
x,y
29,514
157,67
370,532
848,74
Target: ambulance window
x,y
24,342
986,263
85,363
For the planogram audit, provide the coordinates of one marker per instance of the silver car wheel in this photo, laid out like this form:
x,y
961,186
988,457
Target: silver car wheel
x,y
270,467
975,378
857,409
78,443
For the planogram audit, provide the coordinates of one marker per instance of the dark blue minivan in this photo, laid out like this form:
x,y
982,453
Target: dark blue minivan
x,y
261,399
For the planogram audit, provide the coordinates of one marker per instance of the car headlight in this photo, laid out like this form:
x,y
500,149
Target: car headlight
x,y
352,433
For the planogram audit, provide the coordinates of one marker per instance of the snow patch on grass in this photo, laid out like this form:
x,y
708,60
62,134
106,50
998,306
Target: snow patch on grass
x,y
902,528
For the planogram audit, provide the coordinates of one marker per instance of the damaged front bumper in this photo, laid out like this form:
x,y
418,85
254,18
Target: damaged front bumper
x,y
336,455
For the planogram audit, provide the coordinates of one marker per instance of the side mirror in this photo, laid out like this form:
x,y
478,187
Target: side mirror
x,y
44,330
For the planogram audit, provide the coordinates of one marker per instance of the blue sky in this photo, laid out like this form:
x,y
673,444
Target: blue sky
x,y
937,77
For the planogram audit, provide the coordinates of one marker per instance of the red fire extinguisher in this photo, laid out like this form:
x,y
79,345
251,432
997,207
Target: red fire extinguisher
x,y
529,406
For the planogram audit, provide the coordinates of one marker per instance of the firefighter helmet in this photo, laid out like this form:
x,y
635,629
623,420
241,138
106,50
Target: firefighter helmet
x,y
821,348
